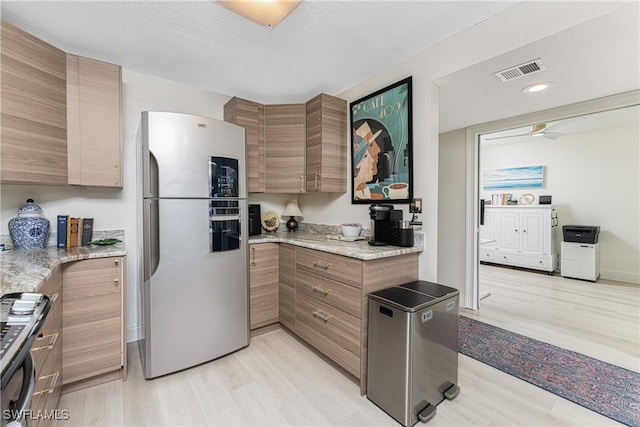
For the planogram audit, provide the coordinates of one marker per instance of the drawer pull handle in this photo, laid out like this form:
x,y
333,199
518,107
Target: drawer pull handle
x,y
116,282
320,289
321,265
52,387
48,346
253,257
320,315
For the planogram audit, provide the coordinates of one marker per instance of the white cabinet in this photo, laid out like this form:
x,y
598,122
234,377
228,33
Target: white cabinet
x,y
580,260
520,236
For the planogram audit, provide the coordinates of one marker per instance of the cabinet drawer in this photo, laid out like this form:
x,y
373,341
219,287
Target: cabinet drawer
x,y
336,267
578,251
46,380
523,260
486,255
332,331
331,292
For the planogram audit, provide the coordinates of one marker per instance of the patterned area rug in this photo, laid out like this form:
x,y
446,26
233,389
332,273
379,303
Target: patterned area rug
x,y
604,388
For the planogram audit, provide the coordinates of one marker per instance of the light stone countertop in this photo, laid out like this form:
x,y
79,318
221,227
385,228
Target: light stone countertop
x,y
359,249
24,270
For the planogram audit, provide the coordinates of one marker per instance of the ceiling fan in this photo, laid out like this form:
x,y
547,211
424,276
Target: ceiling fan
x,y
537,130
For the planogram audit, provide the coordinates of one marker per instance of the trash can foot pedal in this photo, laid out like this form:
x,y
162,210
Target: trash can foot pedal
x,y
427,413
452,392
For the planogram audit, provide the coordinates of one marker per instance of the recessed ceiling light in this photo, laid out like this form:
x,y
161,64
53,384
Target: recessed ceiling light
x,y
267,13
538,87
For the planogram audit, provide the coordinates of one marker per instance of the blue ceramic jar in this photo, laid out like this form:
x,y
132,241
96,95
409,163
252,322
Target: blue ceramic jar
x,y
30,229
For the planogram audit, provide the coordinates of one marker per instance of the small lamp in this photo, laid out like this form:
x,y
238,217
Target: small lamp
x,y
292,210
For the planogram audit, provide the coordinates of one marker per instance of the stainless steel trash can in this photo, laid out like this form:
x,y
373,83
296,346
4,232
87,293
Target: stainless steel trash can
x,y
413,349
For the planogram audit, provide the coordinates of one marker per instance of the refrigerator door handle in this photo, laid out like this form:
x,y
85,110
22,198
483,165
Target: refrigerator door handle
x,y
151,238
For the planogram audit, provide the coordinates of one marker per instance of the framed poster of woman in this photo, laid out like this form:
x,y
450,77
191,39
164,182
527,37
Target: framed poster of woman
x,y
381,139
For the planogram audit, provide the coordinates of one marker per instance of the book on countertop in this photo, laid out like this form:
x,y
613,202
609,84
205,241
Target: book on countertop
x,y
79,231
62,230
73,234
87,231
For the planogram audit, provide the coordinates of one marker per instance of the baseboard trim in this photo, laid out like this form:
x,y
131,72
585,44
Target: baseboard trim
x,y
620,276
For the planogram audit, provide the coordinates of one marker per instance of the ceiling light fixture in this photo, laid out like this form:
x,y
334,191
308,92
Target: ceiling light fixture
x,y
538,87
267,13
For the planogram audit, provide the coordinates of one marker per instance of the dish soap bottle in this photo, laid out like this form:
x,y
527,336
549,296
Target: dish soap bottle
x,y
30,229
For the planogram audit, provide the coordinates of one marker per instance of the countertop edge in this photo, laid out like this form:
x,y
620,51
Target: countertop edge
x,y
25,270
349,249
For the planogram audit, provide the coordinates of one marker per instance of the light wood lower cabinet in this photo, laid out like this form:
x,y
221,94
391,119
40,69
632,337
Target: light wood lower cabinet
x,y
47,352
263,284
332,304
94,349
287,286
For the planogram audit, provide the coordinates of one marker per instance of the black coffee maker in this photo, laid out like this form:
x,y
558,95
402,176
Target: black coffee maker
x,y
388,228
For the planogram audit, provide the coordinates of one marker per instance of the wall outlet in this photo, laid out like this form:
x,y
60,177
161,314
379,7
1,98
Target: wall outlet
x,y
416,205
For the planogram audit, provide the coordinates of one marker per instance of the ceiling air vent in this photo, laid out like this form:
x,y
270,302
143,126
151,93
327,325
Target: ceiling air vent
x,y
521,70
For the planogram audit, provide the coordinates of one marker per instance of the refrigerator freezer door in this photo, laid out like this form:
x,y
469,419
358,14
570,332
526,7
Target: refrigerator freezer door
x,y
195,300
177,151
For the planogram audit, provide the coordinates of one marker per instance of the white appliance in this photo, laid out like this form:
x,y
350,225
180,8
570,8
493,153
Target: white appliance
x,y
195,289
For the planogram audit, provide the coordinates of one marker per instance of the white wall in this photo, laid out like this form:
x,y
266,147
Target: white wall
x,y
594,180
452,201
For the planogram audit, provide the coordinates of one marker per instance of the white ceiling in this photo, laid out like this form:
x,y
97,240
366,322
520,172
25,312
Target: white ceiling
x,y
322,46
591,60
595,122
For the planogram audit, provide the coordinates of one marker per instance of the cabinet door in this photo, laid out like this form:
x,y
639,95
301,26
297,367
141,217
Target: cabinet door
x,y
509,235
263,284
326,142
93,330
250,115
489,230
284,127
94,122
287,294
33,135
533,232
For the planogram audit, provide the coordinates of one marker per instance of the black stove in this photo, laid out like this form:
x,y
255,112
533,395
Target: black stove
x,y
21,316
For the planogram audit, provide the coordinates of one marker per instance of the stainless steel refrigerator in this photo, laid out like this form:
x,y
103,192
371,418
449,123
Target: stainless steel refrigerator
x,y
195,288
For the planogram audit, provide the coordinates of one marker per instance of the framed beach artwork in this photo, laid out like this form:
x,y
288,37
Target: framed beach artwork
x,y
520,177
381,140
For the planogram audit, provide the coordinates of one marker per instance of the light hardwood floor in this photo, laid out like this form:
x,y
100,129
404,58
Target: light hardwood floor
x,y
601,319
279,381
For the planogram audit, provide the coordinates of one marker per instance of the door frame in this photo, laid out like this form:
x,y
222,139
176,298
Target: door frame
x,y
612,102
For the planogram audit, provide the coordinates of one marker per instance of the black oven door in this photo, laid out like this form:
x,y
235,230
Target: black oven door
x,y
17,392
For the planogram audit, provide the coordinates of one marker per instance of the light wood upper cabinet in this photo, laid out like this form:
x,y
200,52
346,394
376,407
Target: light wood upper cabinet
x,y
284,126
250,115
93,322
263,284
94,141
326,156
33,136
